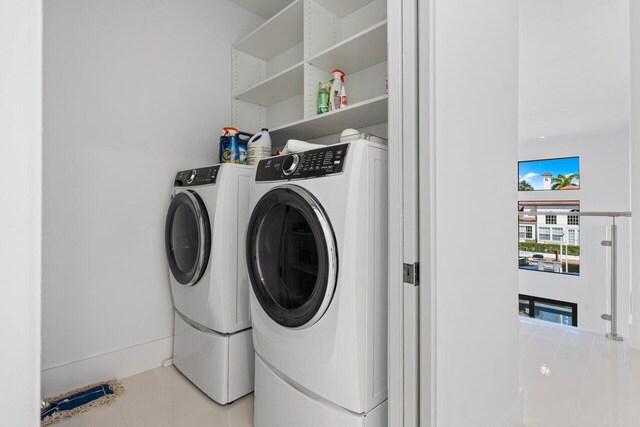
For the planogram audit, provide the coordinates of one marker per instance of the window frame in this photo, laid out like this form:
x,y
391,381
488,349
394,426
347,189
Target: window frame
x,y
532,305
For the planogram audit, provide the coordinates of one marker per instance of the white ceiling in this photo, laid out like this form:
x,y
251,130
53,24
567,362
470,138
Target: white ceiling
x,y
263,8
574,67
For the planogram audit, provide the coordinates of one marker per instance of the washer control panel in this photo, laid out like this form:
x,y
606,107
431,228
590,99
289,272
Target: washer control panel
x,y
200,176
308,164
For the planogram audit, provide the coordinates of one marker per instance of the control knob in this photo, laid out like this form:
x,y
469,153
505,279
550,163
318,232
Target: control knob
x,y
192,176
290,164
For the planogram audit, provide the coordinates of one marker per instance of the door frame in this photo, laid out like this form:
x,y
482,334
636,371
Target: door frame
x,y
404,331
21,243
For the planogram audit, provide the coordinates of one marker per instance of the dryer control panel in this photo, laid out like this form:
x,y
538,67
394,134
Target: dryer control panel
x,y
308,164
200,176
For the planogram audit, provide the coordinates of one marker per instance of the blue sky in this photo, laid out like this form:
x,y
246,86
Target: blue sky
x,y
531,171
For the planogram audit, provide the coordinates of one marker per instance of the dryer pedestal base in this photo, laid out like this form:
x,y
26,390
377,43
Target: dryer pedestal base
x,y
220,365
277,403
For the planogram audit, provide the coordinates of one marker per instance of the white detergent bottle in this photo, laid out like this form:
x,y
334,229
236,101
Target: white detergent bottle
x,y
259,147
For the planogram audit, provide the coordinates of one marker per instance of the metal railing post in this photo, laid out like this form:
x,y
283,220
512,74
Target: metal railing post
x,y
613,243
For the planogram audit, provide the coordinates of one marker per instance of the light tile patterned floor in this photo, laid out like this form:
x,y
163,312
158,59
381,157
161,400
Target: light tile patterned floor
x,y
164,397
575,378
570,377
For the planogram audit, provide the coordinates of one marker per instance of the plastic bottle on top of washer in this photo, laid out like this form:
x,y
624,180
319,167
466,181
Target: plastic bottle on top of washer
x,y
259,147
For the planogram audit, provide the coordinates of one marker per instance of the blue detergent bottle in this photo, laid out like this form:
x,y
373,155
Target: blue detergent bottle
x,y
233,147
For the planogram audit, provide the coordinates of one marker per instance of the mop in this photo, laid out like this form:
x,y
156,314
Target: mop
x,y
79,400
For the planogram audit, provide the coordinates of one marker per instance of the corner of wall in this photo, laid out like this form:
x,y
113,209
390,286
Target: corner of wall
x,y
634,135
514,415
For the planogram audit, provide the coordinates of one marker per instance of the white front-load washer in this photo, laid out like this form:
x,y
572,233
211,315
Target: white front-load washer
x,y
204,235
317,258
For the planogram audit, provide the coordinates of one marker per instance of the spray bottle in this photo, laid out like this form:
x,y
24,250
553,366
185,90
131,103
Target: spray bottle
x,y
336,86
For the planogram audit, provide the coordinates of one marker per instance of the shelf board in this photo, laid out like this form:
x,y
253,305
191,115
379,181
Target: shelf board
x,y
342,8
366,113
283,85
278,34
360,51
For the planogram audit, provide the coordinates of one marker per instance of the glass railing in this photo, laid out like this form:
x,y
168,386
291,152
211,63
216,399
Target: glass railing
x,y
586,258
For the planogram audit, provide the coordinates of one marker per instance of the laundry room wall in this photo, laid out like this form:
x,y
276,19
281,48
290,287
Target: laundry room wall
x,y
134,90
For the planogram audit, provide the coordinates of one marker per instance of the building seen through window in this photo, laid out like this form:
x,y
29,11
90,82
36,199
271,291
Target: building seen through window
x,y
549,242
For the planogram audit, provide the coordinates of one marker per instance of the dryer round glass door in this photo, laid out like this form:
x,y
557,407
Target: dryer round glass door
x,y
291,256
187,237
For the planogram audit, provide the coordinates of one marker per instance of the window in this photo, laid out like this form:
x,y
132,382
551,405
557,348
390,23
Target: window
x,y
526,232
545,234
557,234
562,312
548,236
549,174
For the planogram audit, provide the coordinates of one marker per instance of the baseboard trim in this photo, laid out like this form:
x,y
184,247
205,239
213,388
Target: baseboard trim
x,y
514,416
118,364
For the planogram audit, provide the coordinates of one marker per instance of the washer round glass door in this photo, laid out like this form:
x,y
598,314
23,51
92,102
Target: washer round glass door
x,y
291,255
187,237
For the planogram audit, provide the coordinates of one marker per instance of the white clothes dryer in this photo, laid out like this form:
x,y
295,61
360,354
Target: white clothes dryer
x,y
204,234
317,260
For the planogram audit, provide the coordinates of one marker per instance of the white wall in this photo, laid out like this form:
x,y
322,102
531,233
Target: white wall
x,y
574,86
574,67
605,186
635,165
475,102
134,90
20,239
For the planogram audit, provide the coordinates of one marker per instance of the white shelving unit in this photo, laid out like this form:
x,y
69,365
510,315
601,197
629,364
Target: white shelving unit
x,y
360,51
275,36
363,114
277,68
275,89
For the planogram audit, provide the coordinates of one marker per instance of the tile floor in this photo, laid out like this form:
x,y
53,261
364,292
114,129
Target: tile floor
x,y
163,397
575,378
570,378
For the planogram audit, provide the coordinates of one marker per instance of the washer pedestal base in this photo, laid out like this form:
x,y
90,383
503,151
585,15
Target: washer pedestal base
x,y
278,403
220,365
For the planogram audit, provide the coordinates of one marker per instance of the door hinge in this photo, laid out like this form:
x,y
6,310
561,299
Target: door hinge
x,y
411,273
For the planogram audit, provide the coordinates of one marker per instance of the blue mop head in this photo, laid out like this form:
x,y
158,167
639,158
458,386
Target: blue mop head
x,y
79,400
